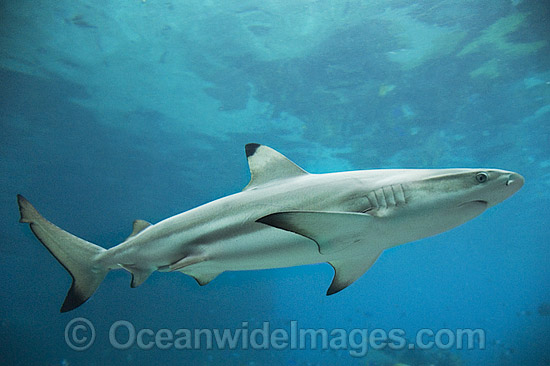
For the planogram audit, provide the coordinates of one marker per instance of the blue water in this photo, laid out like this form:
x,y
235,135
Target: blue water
x,y
113,111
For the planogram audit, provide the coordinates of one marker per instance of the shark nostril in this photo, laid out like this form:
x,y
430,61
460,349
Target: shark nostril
x,y
515,179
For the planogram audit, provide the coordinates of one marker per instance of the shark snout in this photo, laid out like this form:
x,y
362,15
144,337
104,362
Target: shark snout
x,y
515,180
505,185
512,183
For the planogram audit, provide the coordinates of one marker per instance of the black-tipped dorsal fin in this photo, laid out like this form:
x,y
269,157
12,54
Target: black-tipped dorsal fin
x,y
138,227
267,165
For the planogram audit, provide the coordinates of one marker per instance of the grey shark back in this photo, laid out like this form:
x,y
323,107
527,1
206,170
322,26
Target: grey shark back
x,y
284,217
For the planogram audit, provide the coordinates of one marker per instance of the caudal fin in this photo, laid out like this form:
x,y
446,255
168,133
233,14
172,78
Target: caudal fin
x,y
77,255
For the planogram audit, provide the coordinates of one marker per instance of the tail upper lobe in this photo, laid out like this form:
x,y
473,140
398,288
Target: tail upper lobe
x,y
78,256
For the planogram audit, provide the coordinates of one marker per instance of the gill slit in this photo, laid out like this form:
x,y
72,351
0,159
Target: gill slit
x,y
387,197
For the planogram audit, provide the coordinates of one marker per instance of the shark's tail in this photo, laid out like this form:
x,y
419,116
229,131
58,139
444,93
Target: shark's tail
x,y
77,255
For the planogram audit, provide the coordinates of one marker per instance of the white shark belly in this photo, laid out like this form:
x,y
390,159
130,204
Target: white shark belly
x,y
284,217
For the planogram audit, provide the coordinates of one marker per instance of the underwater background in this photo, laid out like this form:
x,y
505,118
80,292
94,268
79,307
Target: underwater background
x,y
117,110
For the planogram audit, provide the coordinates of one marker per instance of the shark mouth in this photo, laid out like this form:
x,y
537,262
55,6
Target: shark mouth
x,y
474,202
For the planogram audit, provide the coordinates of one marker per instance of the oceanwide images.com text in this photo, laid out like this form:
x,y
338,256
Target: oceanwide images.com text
x,y
80,335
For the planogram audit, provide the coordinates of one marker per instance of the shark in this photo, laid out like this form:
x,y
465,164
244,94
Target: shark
x,y
284,217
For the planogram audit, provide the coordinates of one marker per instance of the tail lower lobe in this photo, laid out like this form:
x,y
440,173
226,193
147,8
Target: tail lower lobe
x,y
78,256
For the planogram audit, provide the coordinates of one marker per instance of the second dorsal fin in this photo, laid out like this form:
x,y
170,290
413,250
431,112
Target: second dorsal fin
x,y
138,227
267,165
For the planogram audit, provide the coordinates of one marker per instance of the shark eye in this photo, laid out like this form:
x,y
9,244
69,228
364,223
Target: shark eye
x,y
482,177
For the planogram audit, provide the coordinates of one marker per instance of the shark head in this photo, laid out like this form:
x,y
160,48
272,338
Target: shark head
x,y
431,201
447,198
494,186
471,187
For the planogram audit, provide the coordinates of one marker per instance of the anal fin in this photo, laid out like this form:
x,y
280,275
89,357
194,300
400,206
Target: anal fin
x,y
139,275
204,278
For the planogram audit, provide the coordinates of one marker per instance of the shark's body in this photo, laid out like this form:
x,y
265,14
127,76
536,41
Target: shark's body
x,y
285,217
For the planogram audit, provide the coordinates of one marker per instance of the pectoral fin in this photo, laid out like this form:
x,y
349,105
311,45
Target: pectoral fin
x,y
346,271
332,231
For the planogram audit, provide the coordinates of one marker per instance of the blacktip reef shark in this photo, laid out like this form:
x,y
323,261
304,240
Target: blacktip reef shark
x,y
284,217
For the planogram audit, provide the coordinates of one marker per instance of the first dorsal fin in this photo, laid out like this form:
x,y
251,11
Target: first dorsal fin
x,y
267,165
138,227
